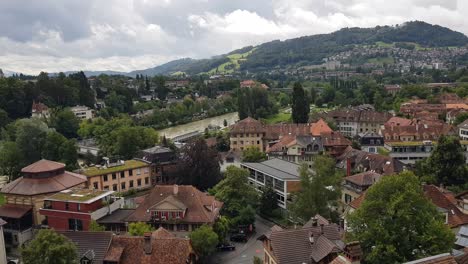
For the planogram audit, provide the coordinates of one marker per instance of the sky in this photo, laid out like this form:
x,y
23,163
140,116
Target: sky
x,y
126,35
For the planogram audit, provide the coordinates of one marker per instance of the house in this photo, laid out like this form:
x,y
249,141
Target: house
x,y
3,258
316,242
352,121
92,247
230,158
355,185
75,208
415,130
296,148
177,208
163,162
117,221
409,152
82,112
120,176
282,175
371,141
158,247
463,130
354,160
25,196
39,110
392,89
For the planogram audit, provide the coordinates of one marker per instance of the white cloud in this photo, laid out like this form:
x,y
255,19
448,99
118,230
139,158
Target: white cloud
x,y
134,34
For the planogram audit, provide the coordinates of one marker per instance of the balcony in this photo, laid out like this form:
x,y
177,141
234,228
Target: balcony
x,y
108,209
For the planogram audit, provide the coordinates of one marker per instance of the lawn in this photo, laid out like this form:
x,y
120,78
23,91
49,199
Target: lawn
x,y
381,60
234,62
2,199
278,118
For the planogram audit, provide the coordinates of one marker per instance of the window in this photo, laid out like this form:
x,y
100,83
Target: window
x,y
122,185
105,177
348,198
122,174
138,171
114,187
130,185
114,176
139,182
67,206
146,170
130,172
75,225
106,187
95,185
146,180
78,207
258,142
234,142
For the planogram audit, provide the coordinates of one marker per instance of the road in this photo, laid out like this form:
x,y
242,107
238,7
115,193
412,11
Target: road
x,y
245,252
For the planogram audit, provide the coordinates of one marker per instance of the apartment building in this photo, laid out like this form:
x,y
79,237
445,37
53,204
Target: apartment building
x,y
82,112
351,122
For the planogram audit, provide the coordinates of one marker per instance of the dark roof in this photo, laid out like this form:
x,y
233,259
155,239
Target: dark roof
x,y
165,249
15,211
90,242
43,166
365,161
157,149
442,199
279,168
117,217
198,204
364,179
52,184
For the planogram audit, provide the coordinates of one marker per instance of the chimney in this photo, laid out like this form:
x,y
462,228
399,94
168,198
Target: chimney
x,y
348,167
147,247
176,189
314,221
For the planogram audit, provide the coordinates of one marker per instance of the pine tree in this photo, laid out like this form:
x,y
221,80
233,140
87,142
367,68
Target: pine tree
x,y
300,105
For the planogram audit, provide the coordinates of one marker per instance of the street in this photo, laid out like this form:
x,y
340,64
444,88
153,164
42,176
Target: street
x,y
245,252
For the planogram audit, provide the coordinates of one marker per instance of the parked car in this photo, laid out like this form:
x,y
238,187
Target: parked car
x,y
226,247
240,237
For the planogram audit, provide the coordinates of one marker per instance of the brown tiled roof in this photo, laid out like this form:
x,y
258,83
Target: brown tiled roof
x,y
320,221
247,125
39,107
330,139
441,198
420,129
364,179
320,127
282,143
43,166
398,121
365,161
374,117
356,203
98,242
341,260
162,233
196,202
275,131
52,184
293,245
165,250
15,211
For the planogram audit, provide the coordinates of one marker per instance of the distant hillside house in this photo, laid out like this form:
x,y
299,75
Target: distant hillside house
x,y
252,84
39,110
82,112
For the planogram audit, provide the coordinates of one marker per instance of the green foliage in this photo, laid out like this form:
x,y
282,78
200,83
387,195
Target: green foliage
x,y
10,159
246,216
200,165
4,119
66,123
236,192
396,223
139,228
268,201
204,240
300,105
254,102
257,260
49,247
221,228
253,154
446,165
320,189
460,118
95,227
30,138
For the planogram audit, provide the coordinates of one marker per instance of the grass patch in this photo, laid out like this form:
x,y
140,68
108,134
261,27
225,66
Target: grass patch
x,y
129,164
384,44
233,64
383,151
2,199
278,118
381,60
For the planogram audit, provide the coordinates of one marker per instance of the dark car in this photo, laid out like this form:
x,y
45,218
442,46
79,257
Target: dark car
x,y
239,237
226,247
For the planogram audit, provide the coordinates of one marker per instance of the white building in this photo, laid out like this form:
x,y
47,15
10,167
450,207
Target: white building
x,y
463,130
3,258
83,112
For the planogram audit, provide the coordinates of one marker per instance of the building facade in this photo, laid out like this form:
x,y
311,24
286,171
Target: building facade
x,y
121,176
296,149
163,163
82,112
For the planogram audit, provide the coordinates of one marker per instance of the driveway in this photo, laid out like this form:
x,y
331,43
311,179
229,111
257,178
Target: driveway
x,y
245,252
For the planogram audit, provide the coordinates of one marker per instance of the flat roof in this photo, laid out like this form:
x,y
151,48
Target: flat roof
x,y
79,195
278,168
128,164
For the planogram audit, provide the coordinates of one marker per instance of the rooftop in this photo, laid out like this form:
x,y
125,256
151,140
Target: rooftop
x,y
43,166
128,164
79,195
279,168
96,242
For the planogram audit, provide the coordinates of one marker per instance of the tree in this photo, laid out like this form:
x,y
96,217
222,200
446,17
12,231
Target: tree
x,y
200,165
396,223
253,154
139,228
95,227
126,141
58,148
460,118
257,260
320,189
221,228
300,105
204,240
246,216
446,165
10,159
225,123
235,191
49,247
4,120
66,123
30,138
268,201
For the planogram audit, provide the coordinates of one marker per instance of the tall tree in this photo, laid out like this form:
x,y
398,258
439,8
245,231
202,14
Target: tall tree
x,y
204,240
268,201
30,138
49,247
86,94
320,189
65,122
300,105
200,165
396,223
446,165
11,159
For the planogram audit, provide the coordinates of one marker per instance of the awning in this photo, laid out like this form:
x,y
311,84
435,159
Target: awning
x,y
14,211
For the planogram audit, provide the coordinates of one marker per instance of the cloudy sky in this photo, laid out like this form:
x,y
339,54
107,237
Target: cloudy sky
x,y
125,35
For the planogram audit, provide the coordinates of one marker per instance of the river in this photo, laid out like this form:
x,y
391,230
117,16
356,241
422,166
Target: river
x,y
199,125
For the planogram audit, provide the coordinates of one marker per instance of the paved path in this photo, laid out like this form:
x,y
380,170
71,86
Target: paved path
x,y
245,252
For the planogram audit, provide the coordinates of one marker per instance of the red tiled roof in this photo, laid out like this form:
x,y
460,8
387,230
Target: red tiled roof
x,y
398,121
284,141
330,139
198,204
364,179
43,166
439,259
15,211
443,199
356,203
341,260
365,161
320,127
